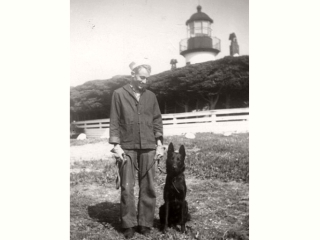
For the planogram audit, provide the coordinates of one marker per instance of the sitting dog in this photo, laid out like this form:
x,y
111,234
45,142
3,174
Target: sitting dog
x,y
175,208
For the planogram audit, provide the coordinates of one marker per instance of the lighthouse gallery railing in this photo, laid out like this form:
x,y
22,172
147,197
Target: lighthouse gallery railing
x,y
215,43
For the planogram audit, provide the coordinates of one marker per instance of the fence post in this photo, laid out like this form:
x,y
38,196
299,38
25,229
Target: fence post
x,y
213,121
174,120
213,118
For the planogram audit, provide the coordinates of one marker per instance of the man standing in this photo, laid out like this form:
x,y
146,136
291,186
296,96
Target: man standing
x,y
136,131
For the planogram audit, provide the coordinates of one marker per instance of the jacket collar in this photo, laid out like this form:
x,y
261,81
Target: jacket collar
x,y
130,91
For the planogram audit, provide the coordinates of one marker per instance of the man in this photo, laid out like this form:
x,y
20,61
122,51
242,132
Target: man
x,y
136,132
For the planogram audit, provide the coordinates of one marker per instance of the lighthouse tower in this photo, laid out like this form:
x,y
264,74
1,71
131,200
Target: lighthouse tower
x,y
200,46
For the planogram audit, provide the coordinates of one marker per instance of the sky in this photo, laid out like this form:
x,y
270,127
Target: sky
x,y
107,35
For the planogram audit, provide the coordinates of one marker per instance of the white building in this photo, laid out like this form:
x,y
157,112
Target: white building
x,y
200,46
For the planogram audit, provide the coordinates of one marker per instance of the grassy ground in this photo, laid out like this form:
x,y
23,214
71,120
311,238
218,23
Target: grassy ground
x,y
217,173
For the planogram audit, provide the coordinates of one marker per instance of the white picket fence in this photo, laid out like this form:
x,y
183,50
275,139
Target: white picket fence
x,y
216,121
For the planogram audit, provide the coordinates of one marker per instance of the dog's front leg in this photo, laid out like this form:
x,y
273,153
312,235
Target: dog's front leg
x,y
166,216
183,222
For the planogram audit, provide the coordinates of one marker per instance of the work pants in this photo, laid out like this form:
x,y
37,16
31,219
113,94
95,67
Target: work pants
x,y
143,160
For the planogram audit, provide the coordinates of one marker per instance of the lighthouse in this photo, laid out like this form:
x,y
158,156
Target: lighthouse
x,y
200,45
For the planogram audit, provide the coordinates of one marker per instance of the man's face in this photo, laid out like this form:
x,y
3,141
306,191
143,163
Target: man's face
x,y
140,79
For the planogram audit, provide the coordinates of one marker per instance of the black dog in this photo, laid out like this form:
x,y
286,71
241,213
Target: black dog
x,y
175,208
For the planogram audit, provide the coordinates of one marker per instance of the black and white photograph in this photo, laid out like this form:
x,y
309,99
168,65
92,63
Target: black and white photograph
x,y
130,119
159,119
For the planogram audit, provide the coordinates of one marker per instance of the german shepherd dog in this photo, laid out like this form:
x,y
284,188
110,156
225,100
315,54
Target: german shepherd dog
x,y
175,208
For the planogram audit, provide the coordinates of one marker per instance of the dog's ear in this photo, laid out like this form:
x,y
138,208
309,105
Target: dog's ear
x,y
182,152
170,148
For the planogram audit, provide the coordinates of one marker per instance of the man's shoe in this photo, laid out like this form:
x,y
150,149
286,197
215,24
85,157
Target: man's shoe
x,y
128,232
144,230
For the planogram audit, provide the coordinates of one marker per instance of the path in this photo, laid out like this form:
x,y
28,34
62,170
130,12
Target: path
x,y
95,151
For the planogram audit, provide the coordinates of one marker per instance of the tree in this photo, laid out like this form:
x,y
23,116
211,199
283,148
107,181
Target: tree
x,y
204,81
192,86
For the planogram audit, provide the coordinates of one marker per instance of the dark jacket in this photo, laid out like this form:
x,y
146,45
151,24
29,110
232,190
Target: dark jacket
x,y
135,124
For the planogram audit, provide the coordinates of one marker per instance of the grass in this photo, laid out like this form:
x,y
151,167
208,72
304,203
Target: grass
x,y
212,156
217,176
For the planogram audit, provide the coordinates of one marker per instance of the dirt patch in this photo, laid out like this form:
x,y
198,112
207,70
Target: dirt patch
x,y
88,152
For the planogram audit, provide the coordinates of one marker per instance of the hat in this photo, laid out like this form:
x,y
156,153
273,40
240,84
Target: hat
x,y
139,62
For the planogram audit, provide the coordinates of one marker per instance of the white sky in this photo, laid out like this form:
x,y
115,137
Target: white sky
x,y
106,35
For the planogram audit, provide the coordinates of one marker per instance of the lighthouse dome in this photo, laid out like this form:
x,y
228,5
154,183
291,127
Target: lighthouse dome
x,y
199,16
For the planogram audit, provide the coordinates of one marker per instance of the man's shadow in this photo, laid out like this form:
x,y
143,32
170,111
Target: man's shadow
x,y
106,212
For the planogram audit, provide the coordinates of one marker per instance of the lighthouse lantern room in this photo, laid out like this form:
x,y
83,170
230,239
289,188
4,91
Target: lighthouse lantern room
x,y
200,46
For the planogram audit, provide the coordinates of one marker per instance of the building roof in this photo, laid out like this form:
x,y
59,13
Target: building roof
x,y
199,16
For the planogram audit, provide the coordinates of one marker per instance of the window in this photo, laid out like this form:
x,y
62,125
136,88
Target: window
x,y
191,27
197,24
197,28
206,28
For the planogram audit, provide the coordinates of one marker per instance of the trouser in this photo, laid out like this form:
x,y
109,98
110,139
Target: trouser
x,y
143,159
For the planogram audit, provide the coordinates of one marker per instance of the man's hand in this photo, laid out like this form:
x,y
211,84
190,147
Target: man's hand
x,y
118,151
159,152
